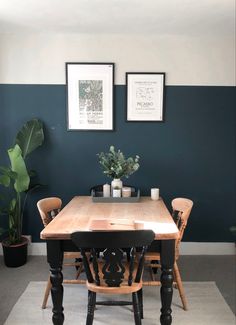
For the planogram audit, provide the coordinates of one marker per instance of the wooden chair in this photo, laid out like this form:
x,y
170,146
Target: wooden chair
x,y
48,209
111,272
181,212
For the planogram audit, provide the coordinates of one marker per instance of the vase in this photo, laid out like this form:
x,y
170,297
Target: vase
x,y
116,183
116,192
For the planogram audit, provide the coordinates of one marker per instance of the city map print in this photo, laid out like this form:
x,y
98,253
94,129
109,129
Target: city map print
x,y
91,102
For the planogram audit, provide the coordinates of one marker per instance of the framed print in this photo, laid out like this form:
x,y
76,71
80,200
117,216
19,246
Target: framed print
x,y
90,96
145,96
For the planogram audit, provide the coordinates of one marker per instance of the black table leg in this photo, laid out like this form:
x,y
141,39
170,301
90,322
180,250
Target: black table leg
x,y
167,262
55,260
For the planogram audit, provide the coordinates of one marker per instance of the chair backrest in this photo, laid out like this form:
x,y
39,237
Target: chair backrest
x,y
181,211
49,208
111,243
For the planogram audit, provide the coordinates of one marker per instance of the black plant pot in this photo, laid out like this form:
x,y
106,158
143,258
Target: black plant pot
x,y
15,255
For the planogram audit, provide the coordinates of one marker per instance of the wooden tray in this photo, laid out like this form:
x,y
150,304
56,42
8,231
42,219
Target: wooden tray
x,y
98,197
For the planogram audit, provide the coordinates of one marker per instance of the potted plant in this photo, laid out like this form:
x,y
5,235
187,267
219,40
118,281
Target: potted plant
x,y
16,178
116,166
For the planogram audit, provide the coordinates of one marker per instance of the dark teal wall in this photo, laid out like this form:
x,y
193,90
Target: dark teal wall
x,y
191,154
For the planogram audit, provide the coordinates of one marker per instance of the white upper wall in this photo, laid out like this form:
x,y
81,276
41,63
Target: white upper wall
x,y
160,17
192,41
40,58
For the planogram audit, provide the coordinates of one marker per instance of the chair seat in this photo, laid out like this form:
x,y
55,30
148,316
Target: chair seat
x,y
72,255
149,256
123,289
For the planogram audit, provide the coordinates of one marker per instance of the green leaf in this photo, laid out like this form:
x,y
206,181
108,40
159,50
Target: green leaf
x,y
12,205
115,165
5,180
30,136
18,166
6,171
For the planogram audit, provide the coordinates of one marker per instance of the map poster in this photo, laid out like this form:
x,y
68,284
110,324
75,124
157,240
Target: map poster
x,y
90,102
90,96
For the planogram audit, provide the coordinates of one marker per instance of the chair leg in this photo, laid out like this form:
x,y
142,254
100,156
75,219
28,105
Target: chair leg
x,y
78,260
140,301
127,250
46,294
79,270
154,269
137,316
174,281
91,307
152,273
180,286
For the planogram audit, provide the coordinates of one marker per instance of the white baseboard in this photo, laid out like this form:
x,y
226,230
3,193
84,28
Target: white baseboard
x,y
191,248
186,248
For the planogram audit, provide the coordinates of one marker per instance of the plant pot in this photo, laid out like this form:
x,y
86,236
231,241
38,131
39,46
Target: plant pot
x,y
15,255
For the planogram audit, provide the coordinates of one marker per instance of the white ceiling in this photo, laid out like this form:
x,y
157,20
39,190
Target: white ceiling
x,y
192,17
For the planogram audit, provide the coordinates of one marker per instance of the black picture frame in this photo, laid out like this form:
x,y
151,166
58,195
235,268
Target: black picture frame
x,y
145,96
90,96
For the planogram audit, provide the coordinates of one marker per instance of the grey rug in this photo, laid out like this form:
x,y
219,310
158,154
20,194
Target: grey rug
x,y
206,307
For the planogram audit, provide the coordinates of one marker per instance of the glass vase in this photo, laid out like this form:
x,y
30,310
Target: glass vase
x,y
116,183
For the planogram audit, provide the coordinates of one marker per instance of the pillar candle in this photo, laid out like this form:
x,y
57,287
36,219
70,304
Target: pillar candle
x,y
155,193
106,190
126,191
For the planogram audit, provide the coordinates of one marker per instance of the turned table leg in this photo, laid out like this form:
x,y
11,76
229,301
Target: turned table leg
x,y
55,259
167,262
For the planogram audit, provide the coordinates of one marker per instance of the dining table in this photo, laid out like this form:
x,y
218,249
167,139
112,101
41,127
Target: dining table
x,y
82,214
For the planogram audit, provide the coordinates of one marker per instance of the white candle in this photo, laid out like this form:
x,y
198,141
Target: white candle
x,y
155,194
126,191
106,190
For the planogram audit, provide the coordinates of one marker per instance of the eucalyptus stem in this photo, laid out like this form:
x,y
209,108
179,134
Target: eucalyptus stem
x,y
116,165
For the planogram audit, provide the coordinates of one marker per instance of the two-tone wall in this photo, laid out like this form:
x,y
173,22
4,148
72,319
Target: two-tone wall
x,y
191,154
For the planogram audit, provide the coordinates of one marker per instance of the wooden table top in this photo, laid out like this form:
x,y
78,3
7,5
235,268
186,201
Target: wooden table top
x,y
81,214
